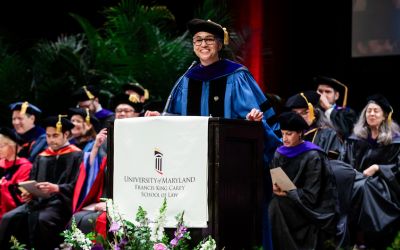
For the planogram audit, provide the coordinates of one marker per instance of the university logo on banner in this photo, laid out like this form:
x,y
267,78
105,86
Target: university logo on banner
x,y
158,161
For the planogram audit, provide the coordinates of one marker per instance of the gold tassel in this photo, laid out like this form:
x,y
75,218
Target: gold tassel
x,y
59,123
390,117
311,113
311,110
87,118
24,107
133,98
346,90
88,93
226,36
146,94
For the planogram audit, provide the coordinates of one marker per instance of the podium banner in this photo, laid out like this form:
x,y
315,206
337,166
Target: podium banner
x,y
162,157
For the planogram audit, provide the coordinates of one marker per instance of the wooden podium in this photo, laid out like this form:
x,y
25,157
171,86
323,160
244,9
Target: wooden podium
x,y
235,183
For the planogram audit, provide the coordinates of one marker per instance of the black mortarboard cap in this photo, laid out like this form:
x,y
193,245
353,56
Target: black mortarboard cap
x,y
86,115
335,84
302,100
292,121
130,100
135,86
25,107
85,92
338,86
9,133
59,122
381,101
196,25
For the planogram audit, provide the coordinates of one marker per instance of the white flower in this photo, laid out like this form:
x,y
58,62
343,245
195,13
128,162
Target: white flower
x,y
157,228
209,245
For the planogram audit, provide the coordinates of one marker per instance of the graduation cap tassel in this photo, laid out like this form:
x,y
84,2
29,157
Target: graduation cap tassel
x,y
133,98
59,124
88,93
311,113
346,90
226,36
87,118
24,107
390,117
311,110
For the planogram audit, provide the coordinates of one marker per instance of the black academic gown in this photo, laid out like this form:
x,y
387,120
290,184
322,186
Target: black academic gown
x,y
327,139
375,199
307,215
38,224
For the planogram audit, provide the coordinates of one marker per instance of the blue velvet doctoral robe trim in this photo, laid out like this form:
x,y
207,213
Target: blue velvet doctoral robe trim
x,y
103,113
291,152
213,71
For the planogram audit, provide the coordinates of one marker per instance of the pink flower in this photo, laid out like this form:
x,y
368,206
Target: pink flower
x,y
160,246
115,226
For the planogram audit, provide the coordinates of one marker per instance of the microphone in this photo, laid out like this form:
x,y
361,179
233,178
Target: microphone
x,y
173,88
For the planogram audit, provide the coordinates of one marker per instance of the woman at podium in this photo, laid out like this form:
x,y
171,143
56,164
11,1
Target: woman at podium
x,y
218,87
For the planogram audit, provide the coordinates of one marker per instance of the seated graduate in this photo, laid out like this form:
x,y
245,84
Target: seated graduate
x,y
127,106
88,209
374,151
13,169
24,120
84,132
342,117
39,222
302,218
320,131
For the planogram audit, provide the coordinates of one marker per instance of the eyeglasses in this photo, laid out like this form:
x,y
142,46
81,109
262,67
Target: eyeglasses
x,y
124,110
208,40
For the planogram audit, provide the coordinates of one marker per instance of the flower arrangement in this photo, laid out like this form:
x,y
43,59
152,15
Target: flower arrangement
x,y
143,234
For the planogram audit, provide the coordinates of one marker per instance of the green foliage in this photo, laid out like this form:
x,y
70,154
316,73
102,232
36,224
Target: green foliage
x,y
138,42
58,69
15,245
395,244
15,81
135,44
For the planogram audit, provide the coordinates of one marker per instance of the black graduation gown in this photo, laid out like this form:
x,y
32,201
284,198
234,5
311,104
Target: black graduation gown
x,y
308,214
375,199
327,139
40,222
